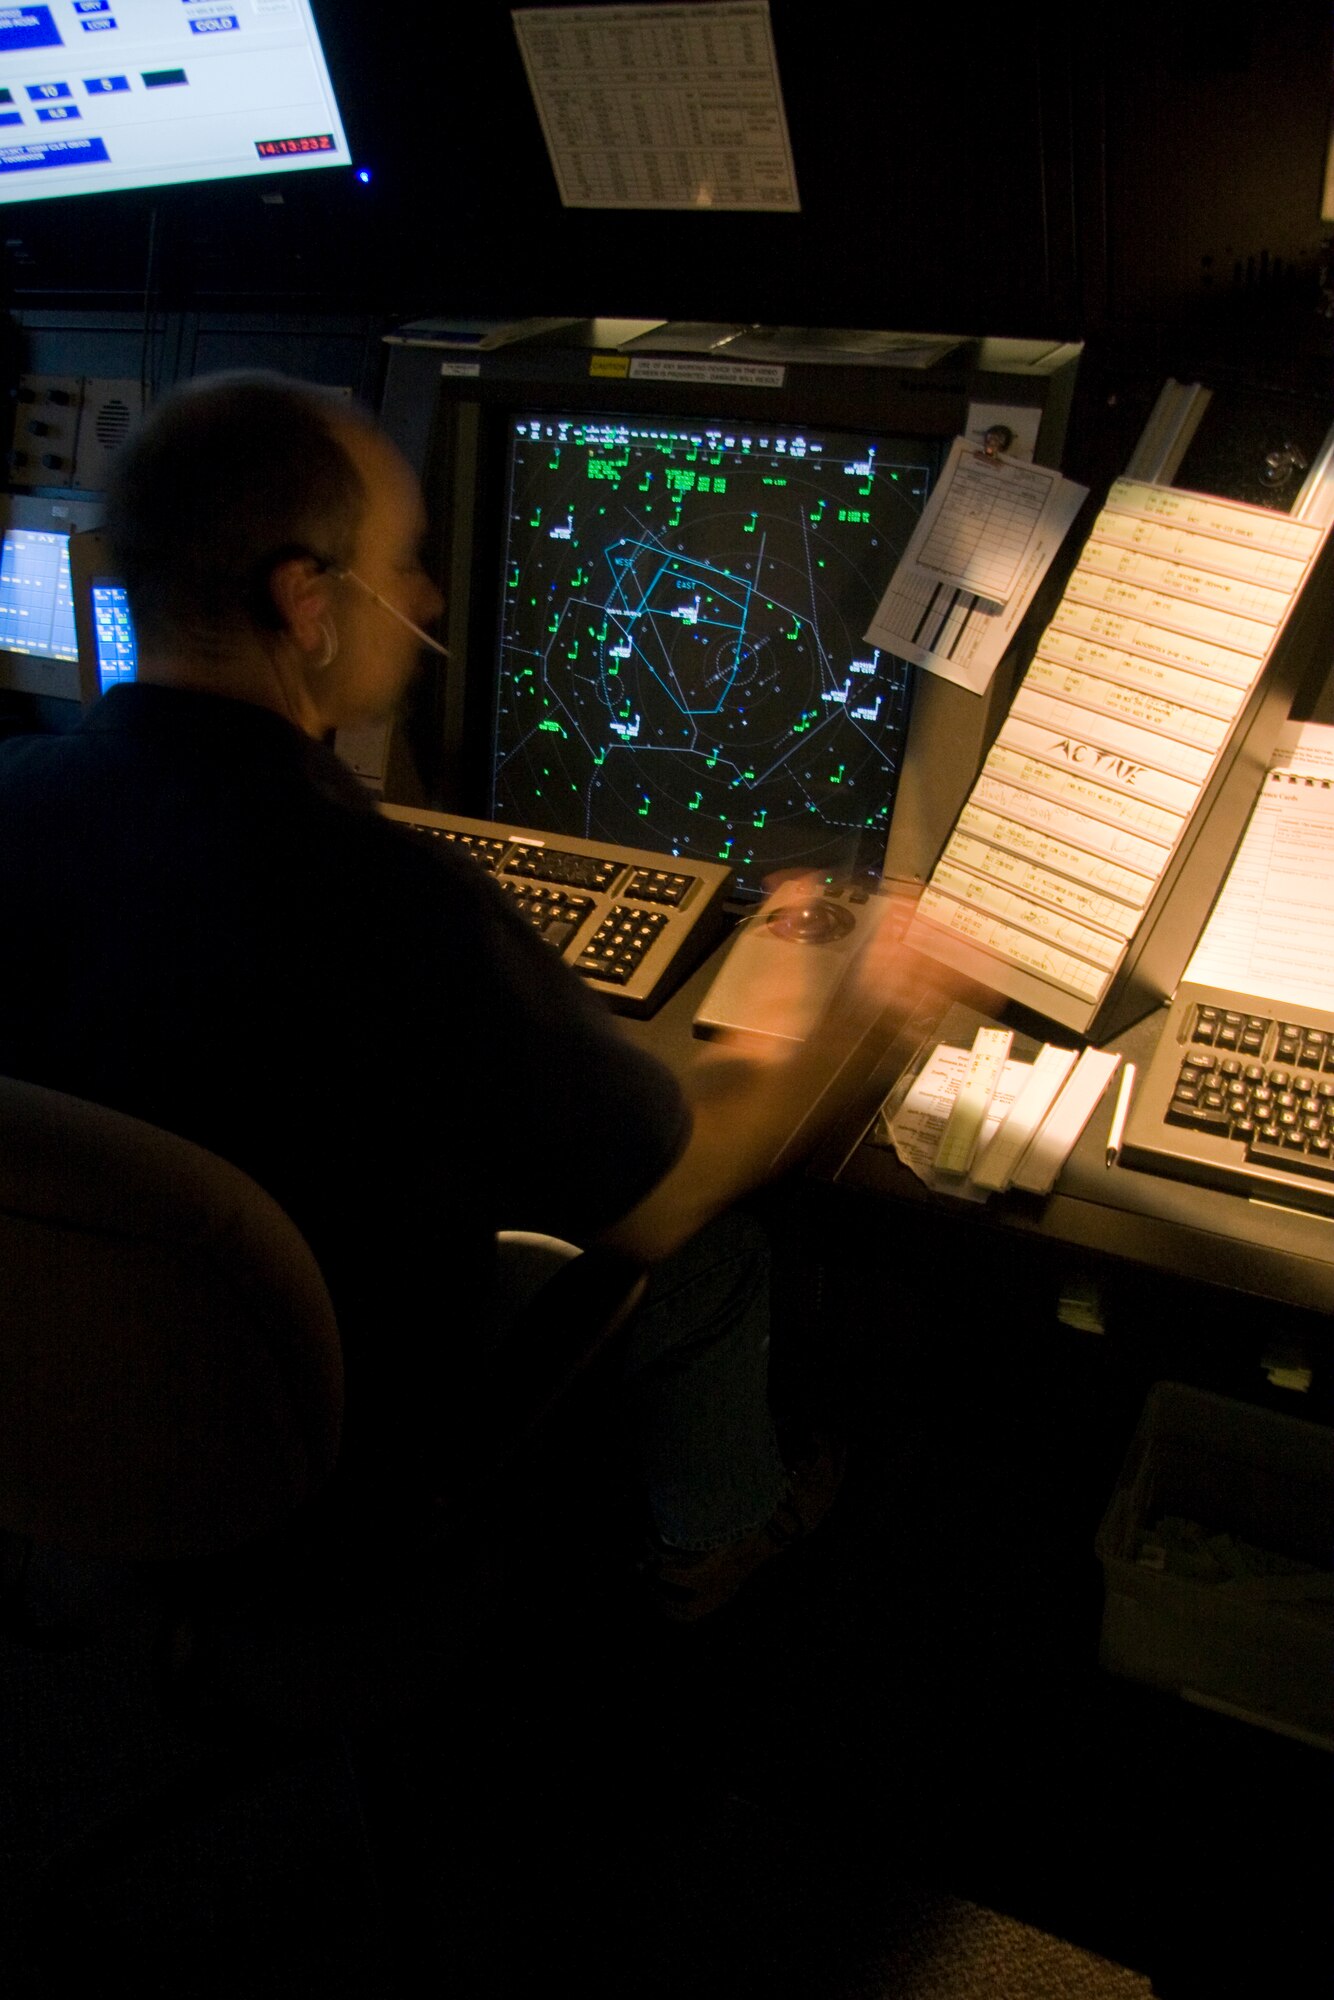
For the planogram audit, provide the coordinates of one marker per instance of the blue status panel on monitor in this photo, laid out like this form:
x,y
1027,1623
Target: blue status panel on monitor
x,y
113,634
36,599
153,93
681,660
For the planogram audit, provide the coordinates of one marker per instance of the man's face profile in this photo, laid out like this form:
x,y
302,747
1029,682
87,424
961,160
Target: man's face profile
x,y
376,655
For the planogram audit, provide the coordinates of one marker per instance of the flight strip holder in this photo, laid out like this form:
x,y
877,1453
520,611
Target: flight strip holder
x,y
1157,953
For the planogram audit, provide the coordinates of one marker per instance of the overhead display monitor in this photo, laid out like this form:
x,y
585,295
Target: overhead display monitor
x,y
36,600
681,660
100,95
107,649
38,622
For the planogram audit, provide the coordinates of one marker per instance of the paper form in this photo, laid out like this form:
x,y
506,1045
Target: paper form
x,y
916,1127
1134,747
986,892
1164,627
1261,566
1123,885
1202,586
1104,784
1201,692
1026,878
1043,959
1128,704
1128,599
1272,929
1091,848
661,106
972,1100
1224,520
1134,817
985,519
985,540
1124,629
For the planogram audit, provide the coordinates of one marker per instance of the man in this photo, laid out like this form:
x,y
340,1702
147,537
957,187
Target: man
x,y
206,924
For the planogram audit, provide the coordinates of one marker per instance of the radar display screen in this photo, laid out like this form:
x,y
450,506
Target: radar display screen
x,y
681,660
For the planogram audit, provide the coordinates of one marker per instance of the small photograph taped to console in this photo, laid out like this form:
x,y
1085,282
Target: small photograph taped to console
x,y
681,664
102,621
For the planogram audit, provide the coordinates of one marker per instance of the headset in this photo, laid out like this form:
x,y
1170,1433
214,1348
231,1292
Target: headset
x,y
350,576
263,606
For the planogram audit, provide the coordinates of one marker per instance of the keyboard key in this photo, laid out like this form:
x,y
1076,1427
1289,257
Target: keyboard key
x,y
656,885
1181,1112
1319,1165
554,864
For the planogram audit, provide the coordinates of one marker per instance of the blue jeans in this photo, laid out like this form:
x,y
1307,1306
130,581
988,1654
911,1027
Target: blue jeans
x,y
696,1385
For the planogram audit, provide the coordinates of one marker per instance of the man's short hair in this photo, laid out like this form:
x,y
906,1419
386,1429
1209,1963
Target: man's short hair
x,y
228,476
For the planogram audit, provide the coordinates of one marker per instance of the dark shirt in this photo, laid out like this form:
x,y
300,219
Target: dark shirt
x,y
205,922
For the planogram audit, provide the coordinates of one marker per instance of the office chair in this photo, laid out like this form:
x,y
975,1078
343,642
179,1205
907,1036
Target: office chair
x,y
559,1311
170,1409
170,1372
170,1397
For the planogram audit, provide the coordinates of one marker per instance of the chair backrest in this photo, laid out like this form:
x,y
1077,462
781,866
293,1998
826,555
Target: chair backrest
x,y
560,1310
170,1369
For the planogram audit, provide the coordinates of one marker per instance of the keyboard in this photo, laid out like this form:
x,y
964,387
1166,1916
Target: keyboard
x,y
1239,1094
634,923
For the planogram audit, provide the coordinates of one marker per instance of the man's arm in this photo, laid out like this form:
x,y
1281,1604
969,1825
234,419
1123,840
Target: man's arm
x,y
753,1113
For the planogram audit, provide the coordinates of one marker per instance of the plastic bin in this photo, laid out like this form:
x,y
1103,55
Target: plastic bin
x,y
1262,1648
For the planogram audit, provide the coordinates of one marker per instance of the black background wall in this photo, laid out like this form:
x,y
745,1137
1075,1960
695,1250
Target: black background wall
x,y
1133,169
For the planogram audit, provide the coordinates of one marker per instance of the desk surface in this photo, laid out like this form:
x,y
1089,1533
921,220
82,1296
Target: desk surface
x,y
1196,1233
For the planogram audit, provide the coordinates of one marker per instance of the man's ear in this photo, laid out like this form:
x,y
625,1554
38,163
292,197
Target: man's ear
x,y
298,590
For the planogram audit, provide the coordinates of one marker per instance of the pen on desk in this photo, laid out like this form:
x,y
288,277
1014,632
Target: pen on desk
x,y
1119,1115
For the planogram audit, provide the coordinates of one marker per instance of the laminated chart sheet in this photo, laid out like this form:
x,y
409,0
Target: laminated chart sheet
x,y
664,106
1163,630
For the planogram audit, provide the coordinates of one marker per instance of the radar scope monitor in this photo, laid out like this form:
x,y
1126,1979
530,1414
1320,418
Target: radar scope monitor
x,y
681,659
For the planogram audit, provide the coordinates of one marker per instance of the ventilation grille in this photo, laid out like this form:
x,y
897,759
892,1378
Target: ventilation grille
x,y
113,423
